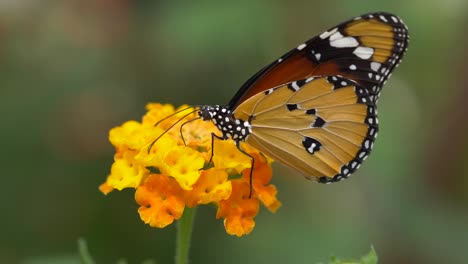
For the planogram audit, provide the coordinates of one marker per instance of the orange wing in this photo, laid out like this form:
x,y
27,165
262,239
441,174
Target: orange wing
x,y
322,127
365,49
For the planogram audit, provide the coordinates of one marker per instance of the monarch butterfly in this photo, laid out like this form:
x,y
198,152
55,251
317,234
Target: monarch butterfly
x,y
314,109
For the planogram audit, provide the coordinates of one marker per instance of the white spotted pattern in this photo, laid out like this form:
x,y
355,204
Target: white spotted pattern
x,y
311,148
375,66
347,42
326,34
295,86
317,56
364,52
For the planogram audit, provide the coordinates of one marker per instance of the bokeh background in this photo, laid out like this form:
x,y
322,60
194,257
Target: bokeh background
x,y
71,70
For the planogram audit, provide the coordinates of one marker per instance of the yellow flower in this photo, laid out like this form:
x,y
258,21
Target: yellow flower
x,y
227,156
168,175
183,164
126,173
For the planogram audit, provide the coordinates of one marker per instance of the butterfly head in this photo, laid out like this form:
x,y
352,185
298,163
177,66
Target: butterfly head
x,y
225,121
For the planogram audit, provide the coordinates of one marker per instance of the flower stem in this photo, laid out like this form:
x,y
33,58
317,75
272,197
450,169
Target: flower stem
x,y
184,233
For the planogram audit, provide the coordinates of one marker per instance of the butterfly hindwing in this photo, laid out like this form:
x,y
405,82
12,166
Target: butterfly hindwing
x,y
365,49
323,127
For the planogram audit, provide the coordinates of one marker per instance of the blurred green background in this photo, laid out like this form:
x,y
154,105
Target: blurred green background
x,y
71,70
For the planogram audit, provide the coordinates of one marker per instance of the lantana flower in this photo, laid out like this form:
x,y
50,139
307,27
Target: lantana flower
x,y
169,169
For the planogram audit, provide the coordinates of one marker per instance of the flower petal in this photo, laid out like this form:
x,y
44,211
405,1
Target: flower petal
x,y
228,156
239,210
161,201
212,186
261,176
126,173
184,165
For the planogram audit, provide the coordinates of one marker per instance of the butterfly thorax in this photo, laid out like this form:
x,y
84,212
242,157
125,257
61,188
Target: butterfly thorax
x,y
227,123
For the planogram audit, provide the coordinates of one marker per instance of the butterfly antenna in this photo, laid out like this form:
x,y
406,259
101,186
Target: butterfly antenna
x,y
182,126
171,115
175,123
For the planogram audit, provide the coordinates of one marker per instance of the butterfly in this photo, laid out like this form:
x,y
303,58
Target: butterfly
x,y
314,109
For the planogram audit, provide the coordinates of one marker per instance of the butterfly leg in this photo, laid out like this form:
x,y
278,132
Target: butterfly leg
x,y
251,166
213,136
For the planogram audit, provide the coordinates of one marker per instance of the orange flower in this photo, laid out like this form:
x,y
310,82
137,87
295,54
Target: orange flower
x,y
261,176
168,175
160,199
239,210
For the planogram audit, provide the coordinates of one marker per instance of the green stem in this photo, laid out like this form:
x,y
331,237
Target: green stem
x,y
184,233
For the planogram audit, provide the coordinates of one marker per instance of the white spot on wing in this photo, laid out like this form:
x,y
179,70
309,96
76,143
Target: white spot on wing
x,y
311,148
335,36
375,66
326,34
295,86
394,19
366,144
302,46
352,67
347,42
364,52
318,56
383,19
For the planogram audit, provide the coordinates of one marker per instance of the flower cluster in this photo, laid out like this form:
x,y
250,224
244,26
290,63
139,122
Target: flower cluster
x,y
174,172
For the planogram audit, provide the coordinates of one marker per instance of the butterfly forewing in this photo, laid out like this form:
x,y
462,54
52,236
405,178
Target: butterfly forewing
x,y
365,49
323,127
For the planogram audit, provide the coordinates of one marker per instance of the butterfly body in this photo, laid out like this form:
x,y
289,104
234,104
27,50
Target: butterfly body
x,y
314,109
224,119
